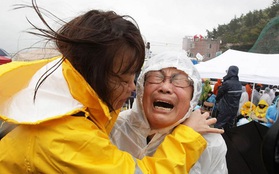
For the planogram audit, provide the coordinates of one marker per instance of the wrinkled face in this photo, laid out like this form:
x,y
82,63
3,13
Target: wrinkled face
x,y
167,102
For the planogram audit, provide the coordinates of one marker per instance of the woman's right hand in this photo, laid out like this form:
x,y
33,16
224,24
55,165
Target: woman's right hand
x,y
201,124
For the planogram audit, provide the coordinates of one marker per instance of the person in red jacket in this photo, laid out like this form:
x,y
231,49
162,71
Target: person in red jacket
x,y
216,86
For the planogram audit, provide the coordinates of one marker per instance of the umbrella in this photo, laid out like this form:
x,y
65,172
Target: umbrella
x,y
244,145
270,150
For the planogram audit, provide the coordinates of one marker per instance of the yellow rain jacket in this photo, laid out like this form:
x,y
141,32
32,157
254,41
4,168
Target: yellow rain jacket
x,y
247,108
65,129
260,112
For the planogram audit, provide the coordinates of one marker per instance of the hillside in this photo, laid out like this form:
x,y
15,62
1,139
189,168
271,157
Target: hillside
x,y
242,33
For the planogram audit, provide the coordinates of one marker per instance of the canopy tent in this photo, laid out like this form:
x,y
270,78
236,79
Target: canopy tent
x,y
253,67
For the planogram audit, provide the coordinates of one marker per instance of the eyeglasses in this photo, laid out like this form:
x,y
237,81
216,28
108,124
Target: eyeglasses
x,y
178,80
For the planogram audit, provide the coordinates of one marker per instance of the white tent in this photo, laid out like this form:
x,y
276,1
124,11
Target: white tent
x,y
253,67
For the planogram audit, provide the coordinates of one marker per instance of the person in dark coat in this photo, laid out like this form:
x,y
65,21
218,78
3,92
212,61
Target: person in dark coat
x,y
228,99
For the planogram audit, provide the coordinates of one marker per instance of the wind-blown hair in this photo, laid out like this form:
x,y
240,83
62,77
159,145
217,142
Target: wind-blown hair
x,y
93,42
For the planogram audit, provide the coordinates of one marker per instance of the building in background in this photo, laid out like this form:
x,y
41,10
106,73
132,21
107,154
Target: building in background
x,y
199,45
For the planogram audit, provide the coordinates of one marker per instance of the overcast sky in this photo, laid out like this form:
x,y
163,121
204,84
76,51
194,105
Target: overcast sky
x,y
163,23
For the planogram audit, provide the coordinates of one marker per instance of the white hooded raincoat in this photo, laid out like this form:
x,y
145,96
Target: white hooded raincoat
x,y
132,128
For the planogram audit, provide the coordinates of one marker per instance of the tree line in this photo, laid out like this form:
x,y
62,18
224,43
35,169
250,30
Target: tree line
x,y
242,32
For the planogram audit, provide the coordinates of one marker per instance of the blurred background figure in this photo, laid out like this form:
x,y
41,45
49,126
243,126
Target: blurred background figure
x,y
272,114
256,95
249,90
260,110
206,88
216,86
228,99
243,99
266,96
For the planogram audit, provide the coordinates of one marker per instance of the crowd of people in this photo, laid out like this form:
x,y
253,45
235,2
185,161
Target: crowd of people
x,y
252,102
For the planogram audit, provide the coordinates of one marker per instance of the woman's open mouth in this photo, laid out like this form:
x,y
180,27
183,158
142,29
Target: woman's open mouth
x,y
163,105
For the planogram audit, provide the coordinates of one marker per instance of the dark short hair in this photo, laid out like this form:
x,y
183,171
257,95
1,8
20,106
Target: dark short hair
x,y
258,88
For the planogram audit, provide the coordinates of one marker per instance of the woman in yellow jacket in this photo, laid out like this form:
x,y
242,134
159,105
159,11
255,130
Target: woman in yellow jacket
x,y
63,109
261,109
247,108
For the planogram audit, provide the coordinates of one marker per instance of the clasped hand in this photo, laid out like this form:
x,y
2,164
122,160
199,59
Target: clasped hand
x,y
201,123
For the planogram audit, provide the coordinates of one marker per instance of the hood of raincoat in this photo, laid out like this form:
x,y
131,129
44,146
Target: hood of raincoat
x,y
263,102
261,111
243,89
207,82
267,90
63,92
272,113
248,104
132,128
247,108
274,108
232,73
178,60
